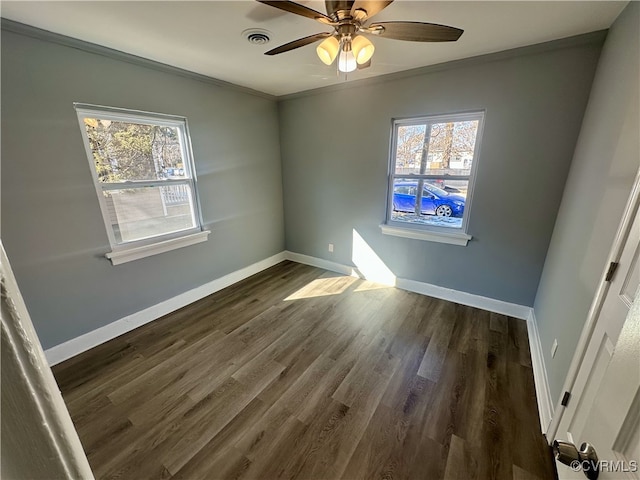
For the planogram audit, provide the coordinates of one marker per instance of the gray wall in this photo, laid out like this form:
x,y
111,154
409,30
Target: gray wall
x,y
604,165
335,150
52,228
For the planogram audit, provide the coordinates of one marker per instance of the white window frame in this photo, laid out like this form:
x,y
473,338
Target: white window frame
x,y
122,252
451,235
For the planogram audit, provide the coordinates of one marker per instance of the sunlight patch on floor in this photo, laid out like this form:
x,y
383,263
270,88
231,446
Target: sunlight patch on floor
x,y
322,287
370,271
367,285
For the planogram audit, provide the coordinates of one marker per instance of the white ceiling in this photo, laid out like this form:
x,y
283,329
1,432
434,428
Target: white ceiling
x,y
206,36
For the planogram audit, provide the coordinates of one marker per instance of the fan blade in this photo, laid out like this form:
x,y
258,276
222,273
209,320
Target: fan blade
x,y
416,31
364,65
334,5
370,6
298,9
301,42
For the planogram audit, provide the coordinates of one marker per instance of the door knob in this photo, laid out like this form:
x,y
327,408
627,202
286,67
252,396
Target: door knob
x,y
584,459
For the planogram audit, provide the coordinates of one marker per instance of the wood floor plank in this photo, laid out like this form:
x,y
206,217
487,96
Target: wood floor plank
x,y
410,330
427,459
101,423
359,377
481,328
371,457
381,452
435,354
325,388
300,373
331,440
232,466
105,385
497,461
498,323
522,474
297,362
468,418
135,446
534,456
518,342
319,435
201,423
460,463
447,396
271,456
158,377
219,458
462,337
401,384
301,393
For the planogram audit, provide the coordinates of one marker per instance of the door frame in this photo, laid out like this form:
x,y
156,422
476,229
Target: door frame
x,y
44,422
593,316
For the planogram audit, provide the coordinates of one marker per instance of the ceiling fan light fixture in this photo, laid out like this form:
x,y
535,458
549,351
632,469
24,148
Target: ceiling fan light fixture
x,y
347,61
328,50
362,49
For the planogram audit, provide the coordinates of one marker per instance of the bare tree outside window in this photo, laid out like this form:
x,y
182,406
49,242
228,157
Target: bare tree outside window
x,y
452,142
410,147
125,151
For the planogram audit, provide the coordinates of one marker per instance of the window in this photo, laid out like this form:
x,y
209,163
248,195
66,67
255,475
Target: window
x,y
144,175
432,167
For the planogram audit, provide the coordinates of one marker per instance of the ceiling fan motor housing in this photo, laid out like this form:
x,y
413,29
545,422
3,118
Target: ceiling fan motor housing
x,y
346,29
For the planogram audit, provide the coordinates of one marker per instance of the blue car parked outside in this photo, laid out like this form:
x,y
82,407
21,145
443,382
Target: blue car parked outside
x,y
435,201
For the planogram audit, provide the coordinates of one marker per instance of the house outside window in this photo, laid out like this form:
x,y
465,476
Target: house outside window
x,y
144,175
432,168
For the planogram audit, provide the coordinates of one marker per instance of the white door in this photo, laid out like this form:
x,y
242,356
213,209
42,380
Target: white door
x,y
604,409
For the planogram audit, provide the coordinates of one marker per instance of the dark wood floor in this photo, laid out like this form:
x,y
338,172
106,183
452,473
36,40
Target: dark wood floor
x,y
301,373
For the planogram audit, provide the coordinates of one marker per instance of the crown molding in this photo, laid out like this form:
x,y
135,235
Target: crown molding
x,y
45,35
592,38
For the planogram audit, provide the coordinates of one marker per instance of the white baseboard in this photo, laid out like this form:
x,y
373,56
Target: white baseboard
x,y
464,298
80,344
543,393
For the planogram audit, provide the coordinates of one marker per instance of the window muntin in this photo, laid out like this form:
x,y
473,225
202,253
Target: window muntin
x,y
432,166
143,172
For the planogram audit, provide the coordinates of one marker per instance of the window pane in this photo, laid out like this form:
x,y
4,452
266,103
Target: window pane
x,y
138,213
124,151
409,147
442,203
451,147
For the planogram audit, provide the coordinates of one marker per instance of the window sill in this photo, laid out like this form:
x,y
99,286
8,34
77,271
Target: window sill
x,y
453,238
129,254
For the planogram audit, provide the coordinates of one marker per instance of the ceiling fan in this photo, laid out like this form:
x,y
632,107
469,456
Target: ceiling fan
x,y
349,20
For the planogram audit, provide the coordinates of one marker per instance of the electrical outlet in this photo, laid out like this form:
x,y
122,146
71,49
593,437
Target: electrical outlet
x,y
554,347
331,247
